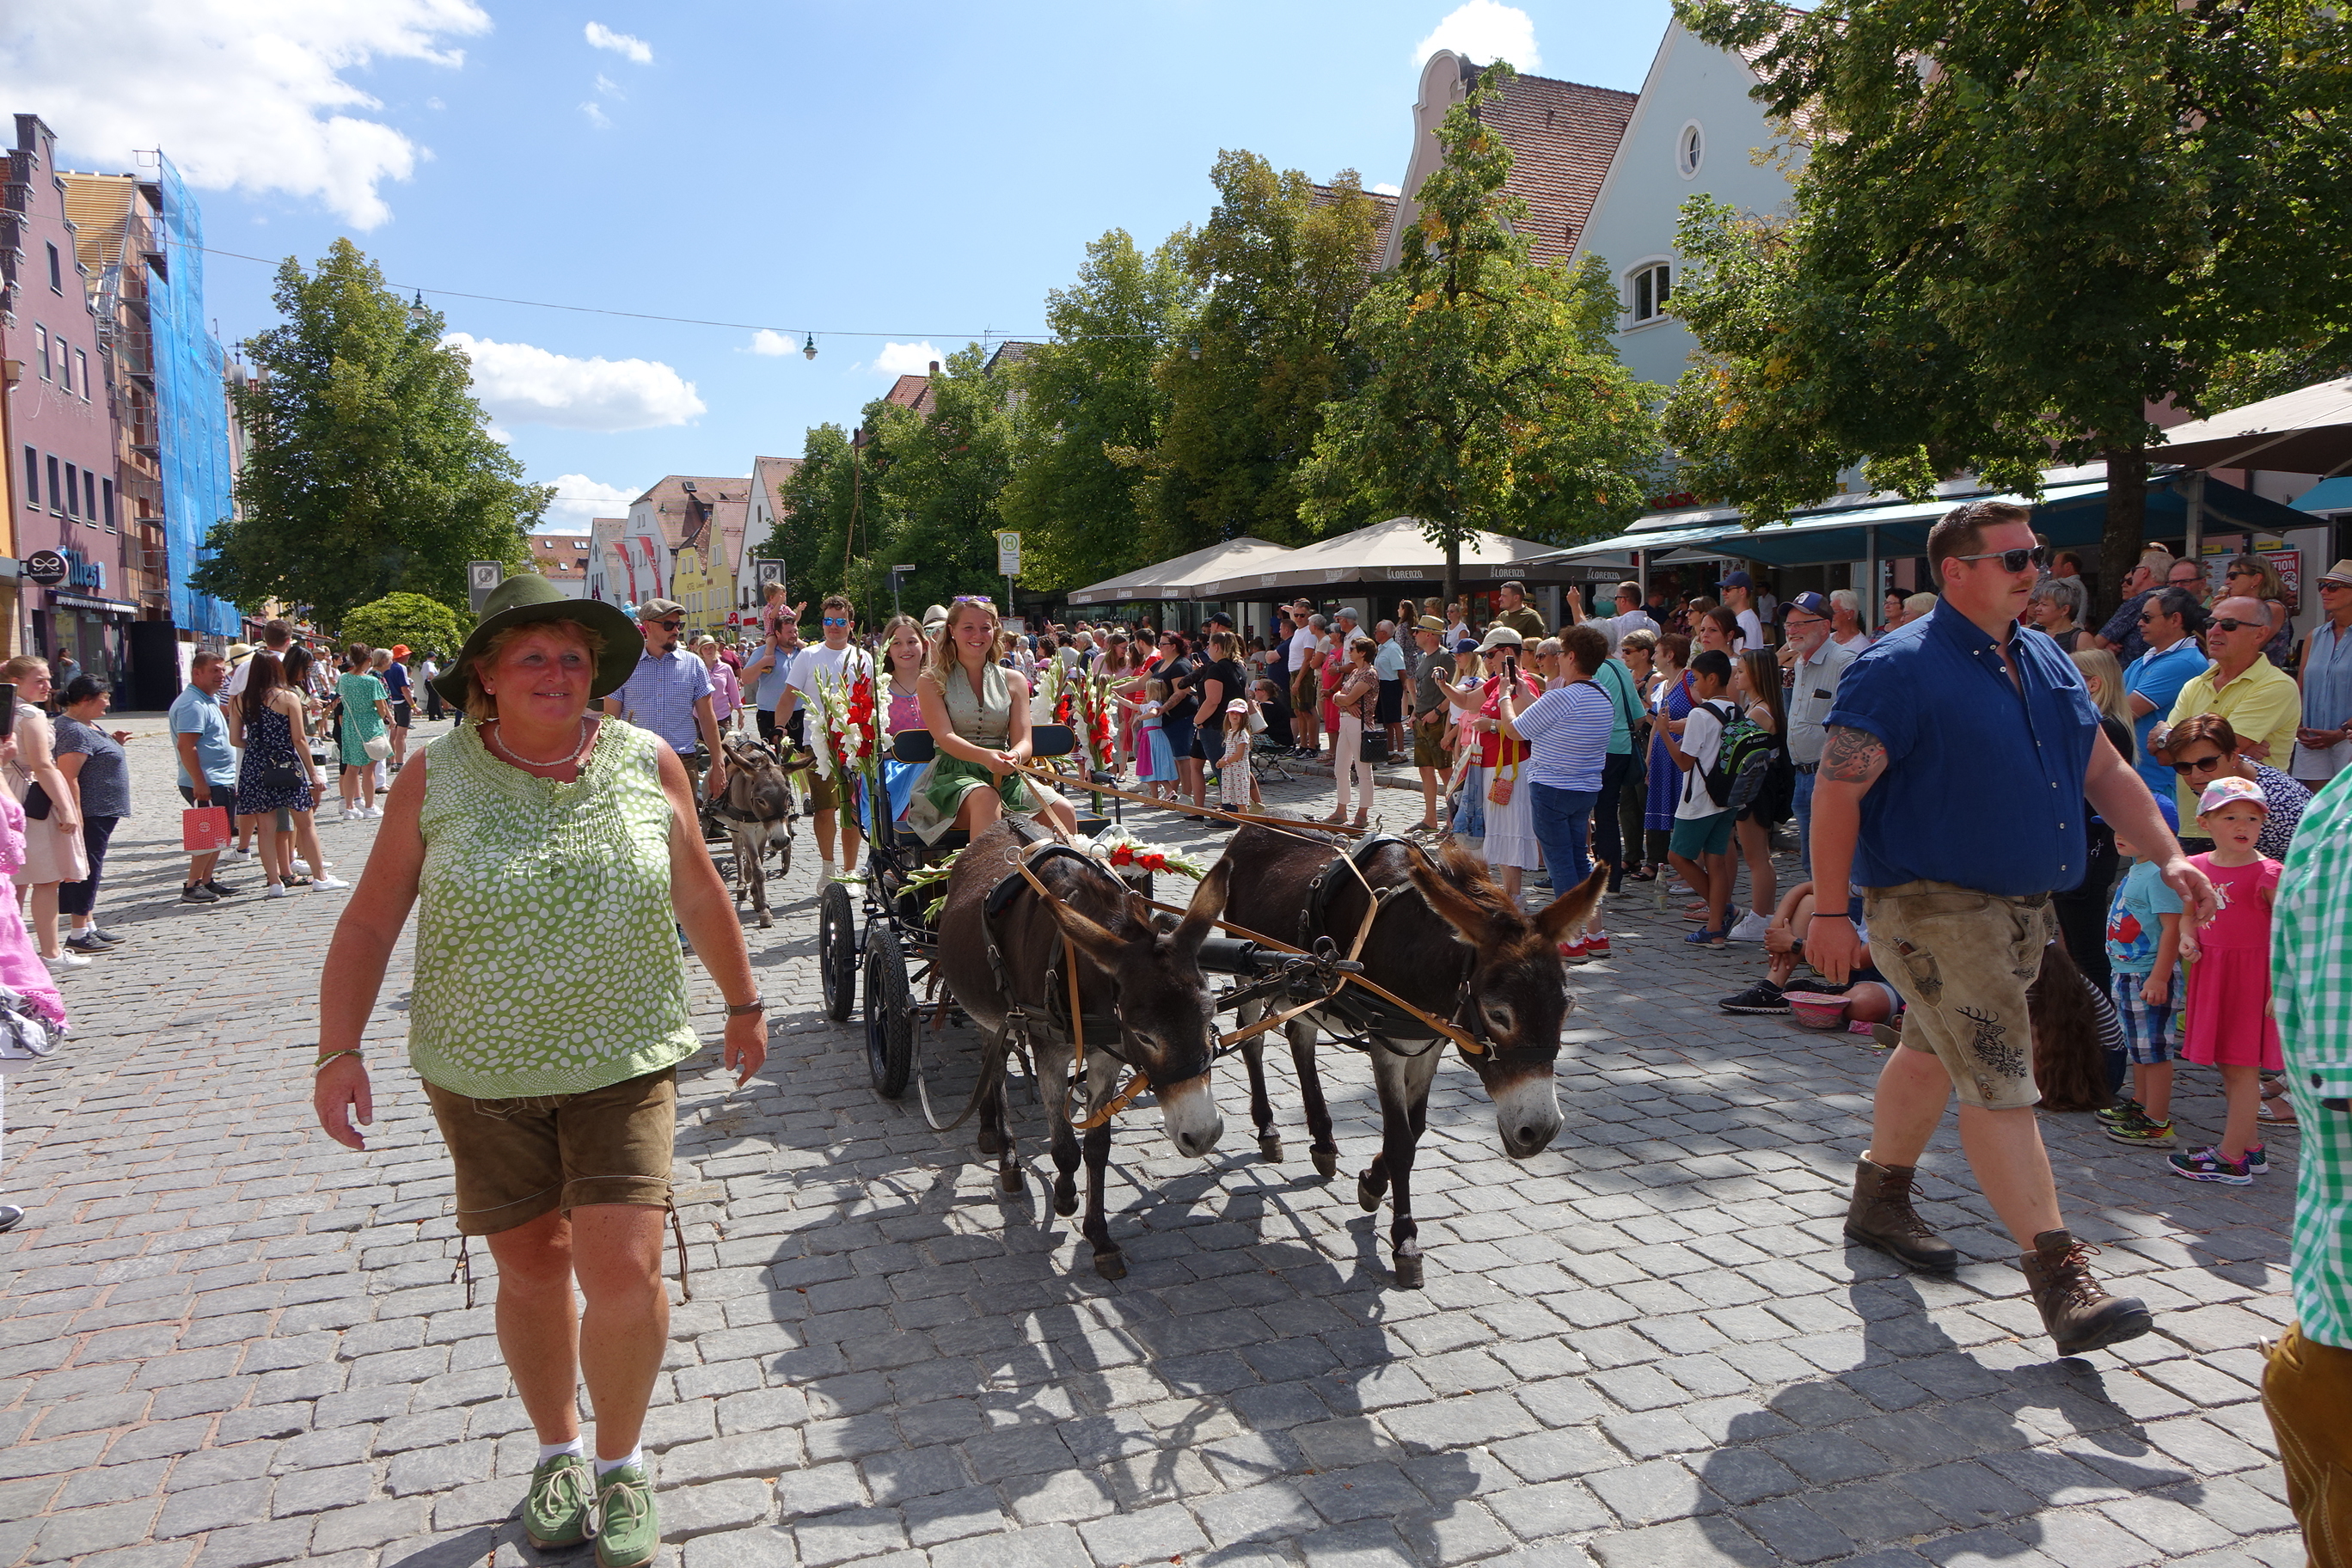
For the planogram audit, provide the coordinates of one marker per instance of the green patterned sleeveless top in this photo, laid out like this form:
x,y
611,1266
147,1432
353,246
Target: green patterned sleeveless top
x,y
546,963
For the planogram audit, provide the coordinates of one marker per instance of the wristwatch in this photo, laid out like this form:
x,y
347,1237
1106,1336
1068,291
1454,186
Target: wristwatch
x,y
756,1004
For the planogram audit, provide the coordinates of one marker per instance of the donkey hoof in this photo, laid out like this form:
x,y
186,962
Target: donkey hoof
x,y
1408,1273
990,1144
1367,1195
766,919
1111,1265
1065,1204
1326,1163
1269,1145
1009,1178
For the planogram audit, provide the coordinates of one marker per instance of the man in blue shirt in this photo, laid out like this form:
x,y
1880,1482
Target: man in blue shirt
x,y
1959,758
669,692
207,764
2169,619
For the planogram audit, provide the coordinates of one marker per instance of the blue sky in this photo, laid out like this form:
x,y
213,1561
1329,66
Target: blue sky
x,y
889,175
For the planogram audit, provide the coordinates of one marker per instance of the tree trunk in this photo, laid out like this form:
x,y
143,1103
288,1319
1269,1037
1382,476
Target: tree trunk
x,y
2123,536
1453,565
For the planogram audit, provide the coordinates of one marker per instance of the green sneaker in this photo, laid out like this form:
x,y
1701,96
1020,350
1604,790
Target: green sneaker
x,y
555,1514
2140,1130
627,1530
2122,1111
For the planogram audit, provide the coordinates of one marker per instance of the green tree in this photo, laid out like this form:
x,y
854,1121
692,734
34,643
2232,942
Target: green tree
x,y
1088,411
369,468
2016,229
1493,397
409,619
1286,266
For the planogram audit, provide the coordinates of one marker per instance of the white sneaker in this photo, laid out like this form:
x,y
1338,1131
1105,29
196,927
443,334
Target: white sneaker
x,y
277,891
327,884
1750,928
67,961
375,811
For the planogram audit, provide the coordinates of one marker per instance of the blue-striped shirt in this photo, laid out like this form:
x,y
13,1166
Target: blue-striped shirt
x,y
660,695
1567,729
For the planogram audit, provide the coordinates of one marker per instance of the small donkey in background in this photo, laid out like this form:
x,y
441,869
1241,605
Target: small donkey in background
x,y
759,811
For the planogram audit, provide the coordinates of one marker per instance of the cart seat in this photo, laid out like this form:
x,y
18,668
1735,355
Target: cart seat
x,y
917,747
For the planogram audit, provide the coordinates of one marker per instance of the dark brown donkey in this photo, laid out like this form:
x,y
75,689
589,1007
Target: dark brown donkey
x,y
758,811
1140,992
1449,941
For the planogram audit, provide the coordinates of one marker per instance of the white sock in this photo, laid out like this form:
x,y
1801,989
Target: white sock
x,y
549,1450
634,1457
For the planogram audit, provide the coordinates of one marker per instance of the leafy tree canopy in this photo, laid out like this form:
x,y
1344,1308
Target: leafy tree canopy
x,y
404,619
1493,397
369,467
2016,229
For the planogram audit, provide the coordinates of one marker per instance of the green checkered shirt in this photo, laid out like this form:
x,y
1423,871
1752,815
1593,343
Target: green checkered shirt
x,y
2310,978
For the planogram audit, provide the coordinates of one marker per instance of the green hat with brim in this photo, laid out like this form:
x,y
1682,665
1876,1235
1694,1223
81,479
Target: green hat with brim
x,y
528,597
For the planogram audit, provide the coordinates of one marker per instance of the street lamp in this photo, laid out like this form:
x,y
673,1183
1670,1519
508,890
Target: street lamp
x,y
895,573
808,349
417,313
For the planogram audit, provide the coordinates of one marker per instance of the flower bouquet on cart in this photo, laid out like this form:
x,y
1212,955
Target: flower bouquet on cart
x,y
848,741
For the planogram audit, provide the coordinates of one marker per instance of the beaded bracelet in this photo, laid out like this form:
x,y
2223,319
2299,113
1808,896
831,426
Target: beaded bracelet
x,y
331,1056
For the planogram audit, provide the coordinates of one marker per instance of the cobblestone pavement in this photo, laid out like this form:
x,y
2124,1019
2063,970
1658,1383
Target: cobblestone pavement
x,y
225,1341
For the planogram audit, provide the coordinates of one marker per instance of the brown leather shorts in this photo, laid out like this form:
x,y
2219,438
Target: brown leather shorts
x,y
1962,960
518,1159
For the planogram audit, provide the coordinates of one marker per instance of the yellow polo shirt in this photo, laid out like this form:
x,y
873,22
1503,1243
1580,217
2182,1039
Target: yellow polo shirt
x,y
2263,704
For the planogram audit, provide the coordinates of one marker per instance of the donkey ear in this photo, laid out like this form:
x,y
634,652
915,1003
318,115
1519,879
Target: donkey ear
x,y
1208,903
1096,943
1569,911
1471,920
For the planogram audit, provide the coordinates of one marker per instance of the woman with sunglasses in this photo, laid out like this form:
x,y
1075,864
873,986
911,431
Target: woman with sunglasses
x,y
2323,742
2203,748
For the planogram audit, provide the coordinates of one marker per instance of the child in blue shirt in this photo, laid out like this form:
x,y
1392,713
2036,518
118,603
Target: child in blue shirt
x,y
2144,951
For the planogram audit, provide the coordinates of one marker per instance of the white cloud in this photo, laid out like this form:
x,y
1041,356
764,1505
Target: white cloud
x,y
246,94
601,36
905,359
595,114
579,499
1486,31
768,341
1387,188
526,385
608,86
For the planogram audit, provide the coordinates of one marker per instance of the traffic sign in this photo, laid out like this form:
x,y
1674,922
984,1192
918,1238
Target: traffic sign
x,y
1008,554
482,579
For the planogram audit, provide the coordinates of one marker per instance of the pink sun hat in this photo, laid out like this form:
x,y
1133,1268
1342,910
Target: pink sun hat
x,y
2232,792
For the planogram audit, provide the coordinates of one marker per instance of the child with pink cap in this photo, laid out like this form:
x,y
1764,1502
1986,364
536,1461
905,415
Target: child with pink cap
x,y
2229,1010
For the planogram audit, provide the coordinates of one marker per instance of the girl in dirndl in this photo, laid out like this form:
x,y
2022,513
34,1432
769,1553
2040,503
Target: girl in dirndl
x,y
1155,760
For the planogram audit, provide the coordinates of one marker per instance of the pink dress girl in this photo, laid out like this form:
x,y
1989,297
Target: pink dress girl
x,y
21,969
2230,1022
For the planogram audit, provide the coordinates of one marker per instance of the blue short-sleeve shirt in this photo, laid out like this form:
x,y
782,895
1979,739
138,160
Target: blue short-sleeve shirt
x,y
1984,780
2158,677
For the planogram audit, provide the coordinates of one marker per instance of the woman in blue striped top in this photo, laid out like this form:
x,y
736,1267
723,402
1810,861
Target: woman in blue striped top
x,y
1567,729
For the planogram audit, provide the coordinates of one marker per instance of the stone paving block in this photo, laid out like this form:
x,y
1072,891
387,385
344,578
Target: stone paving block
x,y
700,1510
1040,1546
1685,1543
953,1516
85,1531
280,1540
1151,1534
1274,1510
847,1535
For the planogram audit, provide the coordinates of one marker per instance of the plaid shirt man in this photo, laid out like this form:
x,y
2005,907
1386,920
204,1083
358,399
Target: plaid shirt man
x,y
660,695
2311,979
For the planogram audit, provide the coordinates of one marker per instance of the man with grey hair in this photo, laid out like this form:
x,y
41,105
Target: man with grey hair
x,y
1630,615
2120,636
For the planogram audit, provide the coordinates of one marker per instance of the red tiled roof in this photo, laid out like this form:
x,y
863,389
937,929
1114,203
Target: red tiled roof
x,y
912,391
1383,217
1563,136
669,499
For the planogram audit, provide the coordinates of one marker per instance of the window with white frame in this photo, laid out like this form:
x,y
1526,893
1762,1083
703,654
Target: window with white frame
x,y
41,351
1653,286
1690,149
81,368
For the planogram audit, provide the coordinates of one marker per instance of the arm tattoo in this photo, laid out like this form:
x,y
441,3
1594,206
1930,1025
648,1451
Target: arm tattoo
x,y
1854,756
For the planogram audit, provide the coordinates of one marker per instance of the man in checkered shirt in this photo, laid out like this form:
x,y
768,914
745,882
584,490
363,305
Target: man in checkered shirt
x,y
2307,1387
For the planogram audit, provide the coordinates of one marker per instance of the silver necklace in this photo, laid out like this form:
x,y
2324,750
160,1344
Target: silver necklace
x,y
498,739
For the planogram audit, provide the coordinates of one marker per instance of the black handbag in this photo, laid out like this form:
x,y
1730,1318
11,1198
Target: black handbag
x,y
37,803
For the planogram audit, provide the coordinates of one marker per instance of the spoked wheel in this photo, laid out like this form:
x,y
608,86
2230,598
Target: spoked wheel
x,y
836,951
889,1019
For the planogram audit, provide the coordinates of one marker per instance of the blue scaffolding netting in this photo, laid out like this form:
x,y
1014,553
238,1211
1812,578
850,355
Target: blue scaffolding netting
x,y
192,408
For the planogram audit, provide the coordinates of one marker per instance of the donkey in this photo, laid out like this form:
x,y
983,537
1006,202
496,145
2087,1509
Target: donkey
x,y
1140,992
758,811
1460,951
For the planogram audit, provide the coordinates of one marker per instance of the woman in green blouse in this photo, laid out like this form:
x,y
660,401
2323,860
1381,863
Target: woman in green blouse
x,y
548,853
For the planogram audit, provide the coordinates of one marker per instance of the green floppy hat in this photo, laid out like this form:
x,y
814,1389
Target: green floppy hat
x,y
529,596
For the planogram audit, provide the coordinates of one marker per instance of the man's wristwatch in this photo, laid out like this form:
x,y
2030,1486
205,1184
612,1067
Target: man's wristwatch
x,y
756,1004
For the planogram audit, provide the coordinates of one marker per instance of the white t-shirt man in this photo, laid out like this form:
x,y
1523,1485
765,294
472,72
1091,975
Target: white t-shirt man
x,y
1702,739
1751,634
244,667
1302,642
816,659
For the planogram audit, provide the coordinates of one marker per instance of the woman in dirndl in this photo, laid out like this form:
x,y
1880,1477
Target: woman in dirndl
x,y
978,713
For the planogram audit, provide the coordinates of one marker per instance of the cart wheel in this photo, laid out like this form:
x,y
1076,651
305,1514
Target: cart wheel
x,y
889,1019
836,951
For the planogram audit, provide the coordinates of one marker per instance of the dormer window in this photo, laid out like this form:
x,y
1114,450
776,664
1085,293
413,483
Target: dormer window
x,y
1652,286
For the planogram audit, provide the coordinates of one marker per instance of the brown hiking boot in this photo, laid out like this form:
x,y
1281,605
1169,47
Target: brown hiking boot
x,y
2079,1315
1881,1215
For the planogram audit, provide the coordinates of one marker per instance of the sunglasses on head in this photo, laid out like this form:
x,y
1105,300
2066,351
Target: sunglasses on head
x,y
981,599
2199,766
2012,559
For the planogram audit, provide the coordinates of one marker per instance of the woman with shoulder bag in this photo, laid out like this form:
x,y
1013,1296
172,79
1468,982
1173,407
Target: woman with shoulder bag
x,y
1356,695
276,774
302,679
53,848
92,762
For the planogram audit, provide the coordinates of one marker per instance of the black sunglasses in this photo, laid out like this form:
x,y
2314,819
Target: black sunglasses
x,y
2012,559
671,625
2231,624
2199,766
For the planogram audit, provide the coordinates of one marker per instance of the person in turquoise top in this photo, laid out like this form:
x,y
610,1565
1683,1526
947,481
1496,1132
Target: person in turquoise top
x,y
366,708
547,852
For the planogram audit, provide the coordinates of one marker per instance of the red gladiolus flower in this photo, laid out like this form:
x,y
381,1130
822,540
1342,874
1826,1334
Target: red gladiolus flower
x,y
1122,855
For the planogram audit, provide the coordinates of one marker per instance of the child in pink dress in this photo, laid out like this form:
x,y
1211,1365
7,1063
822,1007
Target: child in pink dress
x,y
2228,1018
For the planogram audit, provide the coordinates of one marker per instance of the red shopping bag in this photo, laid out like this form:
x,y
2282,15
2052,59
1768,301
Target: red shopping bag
x,y
204,828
